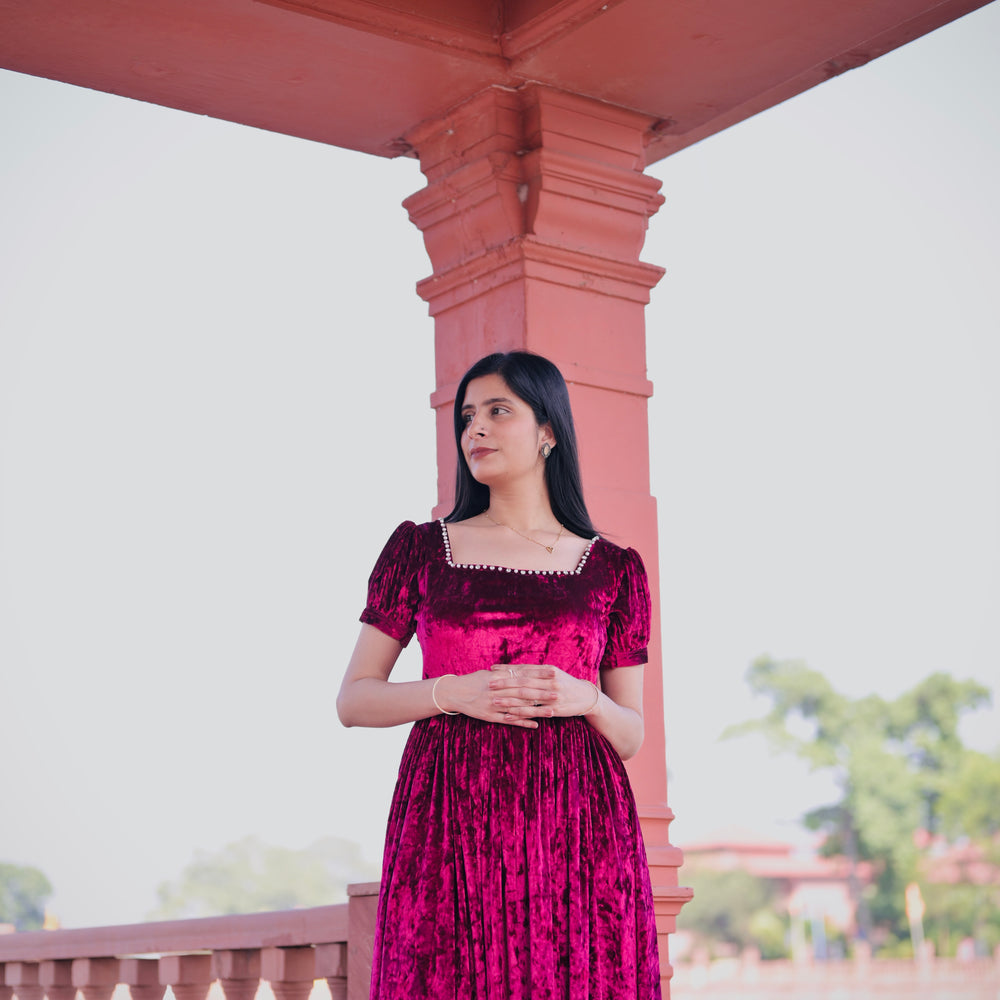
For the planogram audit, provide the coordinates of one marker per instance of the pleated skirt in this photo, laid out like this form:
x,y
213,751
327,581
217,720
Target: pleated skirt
x,y
514,869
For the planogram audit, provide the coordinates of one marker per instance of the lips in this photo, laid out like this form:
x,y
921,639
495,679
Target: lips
x,y
481,452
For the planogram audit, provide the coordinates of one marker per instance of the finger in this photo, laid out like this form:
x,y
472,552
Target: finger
x,y
534,670
524,696
516,720
520,683
529,711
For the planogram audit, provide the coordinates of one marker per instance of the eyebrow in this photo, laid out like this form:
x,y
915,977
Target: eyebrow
x,y
486,402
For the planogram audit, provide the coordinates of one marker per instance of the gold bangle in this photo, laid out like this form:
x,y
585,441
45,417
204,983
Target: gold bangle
x,y
597,698
434,695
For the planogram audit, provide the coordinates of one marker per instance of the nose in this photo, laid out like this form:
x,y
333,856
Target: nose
x,y
475,427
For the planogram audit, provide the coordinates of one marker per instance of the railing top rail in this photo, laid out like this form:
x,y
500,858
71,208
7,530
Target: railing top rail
x,y
279,929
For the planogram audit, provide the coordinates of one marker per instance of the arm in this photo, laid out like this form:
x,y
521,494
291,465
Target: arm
x,y
368,698
618,712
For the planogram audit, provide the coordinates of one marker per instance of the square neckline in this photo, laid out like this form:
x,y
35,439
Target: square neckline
x,y
446,539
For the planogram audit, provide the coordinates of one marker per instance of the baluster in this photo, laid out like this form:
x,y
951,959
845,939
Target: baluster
x,y
238,972
23,977
142,977
189,976
6,992
331,964
290,971
56,978
95,978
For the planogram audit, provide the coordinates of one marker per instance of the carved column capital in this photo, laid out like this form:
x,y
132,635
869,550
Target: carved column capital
x,y
508,164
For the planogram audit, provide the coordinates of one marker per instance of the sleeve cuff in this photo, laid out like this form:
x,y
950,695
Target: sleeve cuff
x,y
394,630
629,658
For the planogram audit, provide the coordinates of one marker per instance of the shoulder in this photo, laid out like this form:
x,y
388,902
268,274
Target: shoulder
x,y
411,530
624,560
410,539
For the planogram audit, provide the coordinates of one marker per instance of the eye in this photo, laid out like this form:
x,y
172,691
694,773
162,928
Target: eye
x,y
466,419
498,409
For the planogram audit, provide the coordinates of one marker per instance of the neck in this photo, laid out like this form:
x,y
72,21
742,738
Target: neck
x,y
524,512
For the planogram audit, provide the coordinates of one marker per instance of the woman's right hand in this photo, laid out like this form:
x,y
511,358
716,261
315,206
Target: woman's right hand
x,y
471,694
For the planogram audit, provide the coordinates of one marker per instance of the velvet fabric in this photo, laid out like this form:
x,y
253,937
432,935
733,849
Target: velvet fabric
x,y
514,867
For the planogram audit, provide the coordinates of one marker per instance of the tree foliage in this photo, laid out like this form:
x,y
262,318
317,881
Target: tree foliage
x,y
733,908
250,876
969,804
24,891
900,767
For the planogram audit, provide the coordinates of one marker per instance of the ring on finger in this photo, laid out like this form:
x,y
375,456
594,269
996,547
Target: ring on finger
x,y
512,671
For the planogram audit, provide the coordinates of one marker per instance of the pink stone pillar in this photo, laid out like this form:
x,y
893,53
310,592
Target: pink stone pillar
x,y
362,904
534,215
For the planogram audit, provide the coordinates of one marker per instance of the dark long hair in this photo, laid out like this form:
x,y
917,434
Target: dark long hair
x,y
540,384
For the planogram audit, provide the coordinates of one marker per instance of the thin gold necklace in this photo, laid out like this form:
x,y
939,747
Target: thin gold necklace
x,y
548,548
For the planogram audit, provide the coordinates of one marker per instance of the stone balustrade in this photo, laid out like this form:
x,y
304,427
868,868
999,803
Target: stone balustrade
x,y
289,951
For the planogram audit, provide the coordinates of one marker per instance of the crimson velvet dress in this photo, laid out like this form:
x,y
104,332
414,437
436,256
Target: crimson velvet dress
x,y
514,867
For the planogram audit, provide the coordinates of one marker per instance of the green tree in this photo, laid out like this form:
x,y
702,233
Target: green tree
x,y
24,891
969,813
250,876
923,725
969,804
892,760
733,909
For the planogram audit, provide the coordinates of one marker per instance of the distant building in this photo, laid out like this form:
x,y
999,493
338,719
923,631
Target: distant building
x,y
963,862
810,887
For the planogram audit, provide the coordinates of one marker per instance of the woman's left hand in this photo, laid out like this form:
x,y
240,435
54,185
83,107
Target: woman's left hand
x,y
540,691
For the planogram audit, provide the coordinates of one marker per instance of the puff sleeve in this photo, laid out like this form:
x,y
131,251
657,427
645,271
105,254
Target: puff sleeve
x,y
393,587
629,616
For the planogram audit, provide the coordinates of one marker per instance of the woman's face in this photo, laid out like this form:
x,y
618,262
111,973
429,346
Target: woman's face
x,y
502,439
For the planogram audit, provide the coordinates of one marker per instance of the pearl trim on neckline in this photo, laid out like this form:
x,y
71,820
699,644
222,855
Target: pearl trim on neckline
x,y
510,569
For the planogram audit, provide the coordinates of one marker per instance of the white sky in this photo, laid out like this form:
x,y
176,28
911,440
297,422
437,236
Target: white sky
x,y
214,381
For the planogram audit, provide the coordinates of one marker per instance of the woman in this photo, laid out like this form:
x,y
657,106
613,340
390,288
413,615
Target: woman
x,y
514,867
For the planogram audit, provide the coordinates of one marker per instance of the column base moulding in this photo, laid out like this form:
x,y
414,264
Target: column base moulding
x,y
668,899
527,258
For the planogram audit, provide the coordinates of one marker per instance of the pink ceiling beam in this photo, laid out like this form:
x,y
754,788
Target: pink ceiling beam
x,y
362,74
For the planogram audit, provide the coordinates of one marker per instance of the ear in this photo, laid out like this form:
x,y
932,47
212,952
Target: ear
x,y
545,436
